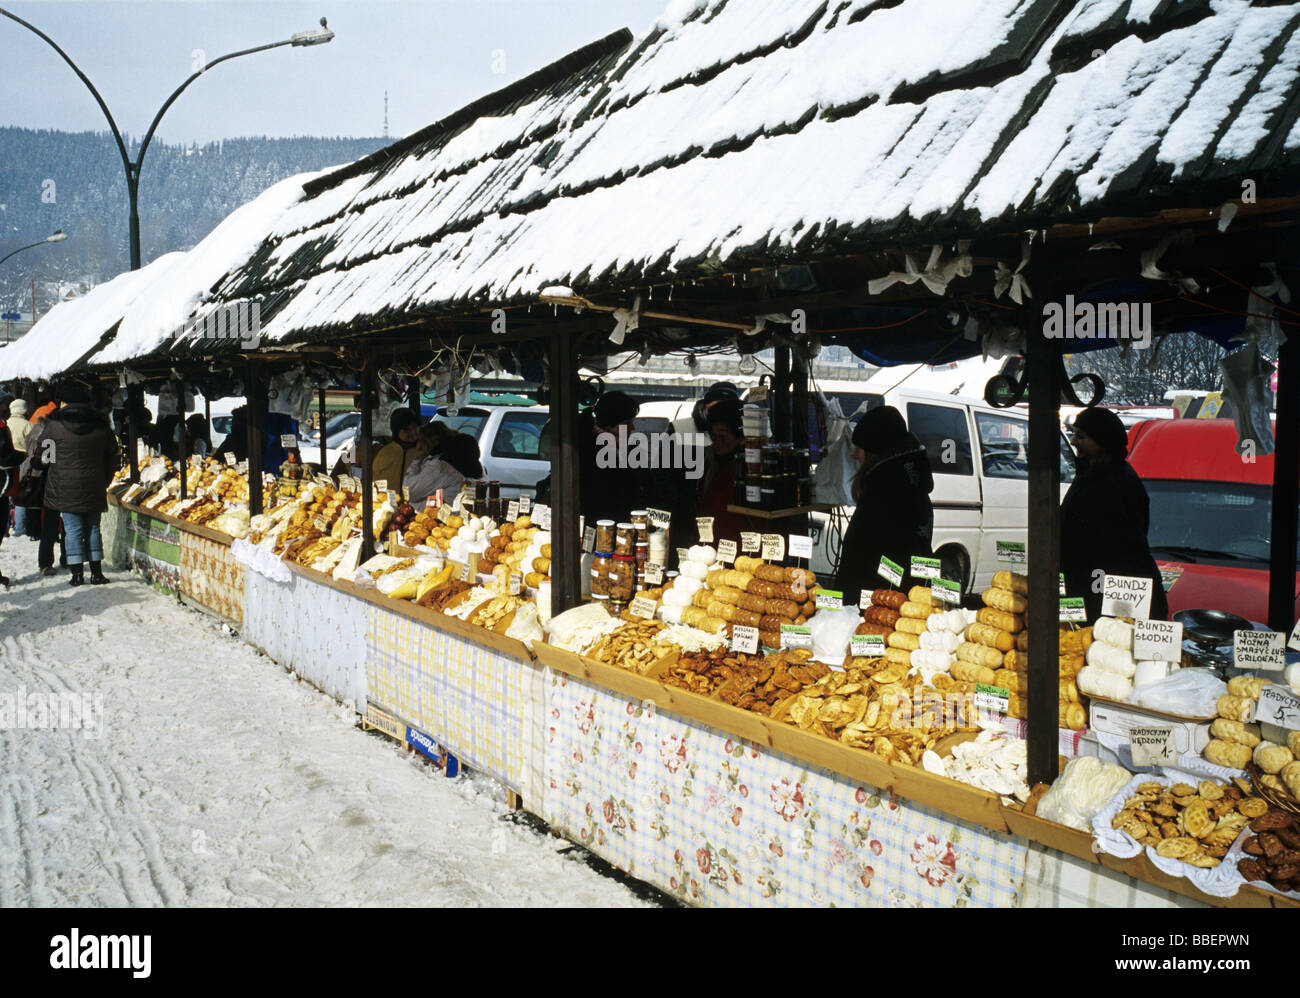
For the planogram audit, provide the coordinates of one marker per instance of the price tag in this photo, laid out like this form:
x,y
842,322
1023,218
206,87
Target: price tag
x,y
230,458
1126,596
1072,610
992,699
320,524
1012,553
1259,650
800,546
1294,643
1060,581
444,514
864,599
516,583
704,526
659,518
512,510
752,455
829,599
525,505
1157,641
1277,706
542,516
381,485
643,607
945,591
682,554
406,493
750,542
466,572
242,467
744,640
589,540
925,568
1152,745
796,636
653,575
392,498
773,547
288,441
726,552
753,495
867,646
891,572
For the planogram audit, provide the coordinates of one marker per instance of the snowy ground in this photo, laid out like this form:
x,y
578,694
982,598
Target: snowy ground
x,y
217,778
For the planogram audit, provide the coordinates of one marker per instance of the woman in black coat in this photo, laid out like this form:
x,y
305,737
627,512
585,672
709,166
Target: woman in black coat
x,y
894,517
1105,516
80,452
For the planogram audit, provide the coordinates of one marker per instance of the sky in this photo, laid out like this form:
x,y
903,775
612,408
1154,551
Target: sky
x,y
431,56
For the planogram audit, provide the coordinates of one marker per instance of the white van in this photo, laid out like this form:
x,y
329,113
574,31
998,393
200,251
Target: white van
x,y
978,456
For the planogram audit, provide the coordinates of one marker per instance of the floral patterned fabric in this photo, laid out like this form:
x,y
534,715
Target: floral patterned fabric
x,y
716,820
211,577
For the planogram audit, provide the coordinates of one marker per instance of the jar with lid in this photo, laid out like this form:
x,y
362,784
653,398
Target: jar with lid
x,y
767,492
600,566
625,538
787,459
752,453
785,491
622,579
641,520
738,493
605,535
771,460
642,556
480,498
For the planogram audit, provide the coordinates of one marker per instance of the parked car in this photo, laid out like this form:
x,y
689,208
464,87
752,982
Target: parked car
x,y
509,442
1210,514
978,456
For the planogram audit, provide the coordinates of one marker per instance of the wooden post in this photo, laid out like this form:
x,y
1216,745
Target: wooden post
x,y
799,396
323,457
1043,619
781,397
181,443
1286,488
413,398
255,403
134,400
367,473
566,563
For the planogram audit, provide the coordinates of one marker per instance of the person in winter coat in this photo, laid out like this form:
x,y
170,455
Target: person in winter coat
x,y
10,461
894,517
43,525
1105,516
444,460
80,453
392,459
718,484
20,429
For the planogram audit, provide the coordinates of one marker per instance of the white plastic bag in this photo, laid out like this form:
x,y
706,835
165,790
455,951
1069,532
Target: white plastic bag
x,y
831,631
1085,787
1187,692
833,479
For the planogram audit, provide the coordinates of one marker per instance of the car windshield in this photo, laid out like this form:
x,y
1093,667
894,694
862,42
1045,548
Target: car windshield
x,y
466,421
1214,522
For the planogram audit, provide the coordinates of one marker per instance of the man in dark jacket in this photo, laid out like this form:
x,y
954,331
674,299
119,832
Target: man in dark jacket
x,y
80,452
10,460
1105,516
894,517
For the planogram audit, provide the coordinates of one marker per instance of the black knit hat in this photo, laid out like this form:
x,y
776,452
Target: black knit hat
x,y
614,408
73,393
401,419
1107,429
879,430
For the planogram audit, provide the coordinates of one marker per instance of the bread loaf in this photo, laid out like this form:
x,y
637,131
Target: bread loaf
x,y
901,639
900,655
1271,758
914,609
910,625
1245,686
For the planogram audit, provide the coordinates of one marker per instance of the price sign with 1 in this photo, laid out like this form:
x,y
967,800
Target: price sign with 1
x,y
1152,745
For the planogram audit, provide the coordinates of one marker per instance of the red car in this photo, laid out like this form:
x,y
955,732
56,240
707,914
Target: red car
x,y
1210,513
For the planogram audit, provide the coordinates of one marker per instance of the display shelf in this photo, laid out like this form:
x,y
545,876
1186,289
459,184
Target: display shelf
x,y
778,514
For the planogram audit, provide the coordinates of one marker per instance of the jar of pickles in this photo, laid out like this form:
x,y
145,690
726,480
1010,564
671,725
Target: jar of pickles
x,y
622,579
641,520
600,567
605,535
625,538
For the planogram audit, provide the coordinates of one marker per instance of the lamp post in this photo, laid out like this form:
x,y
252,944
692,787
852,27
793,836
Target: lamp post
x,y
316,36
56,237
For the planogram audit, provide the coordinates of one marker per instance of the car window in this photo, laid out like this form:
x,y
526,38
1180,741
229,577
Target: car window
x,y
1003,445
519,435
1067,460
1212,522
466,422
221,423
943,431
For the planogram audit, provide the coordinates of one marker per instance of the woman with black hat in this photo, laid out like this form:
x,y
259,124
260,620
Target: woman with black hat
x,y
894,517
1105,516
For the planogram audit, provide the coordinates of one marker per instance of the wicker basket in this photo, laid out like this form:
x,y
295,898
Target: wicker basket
x,y
1274,798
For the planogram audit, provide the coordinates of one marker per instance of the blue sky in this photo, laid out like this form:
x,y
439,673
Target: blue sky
x,y
432,56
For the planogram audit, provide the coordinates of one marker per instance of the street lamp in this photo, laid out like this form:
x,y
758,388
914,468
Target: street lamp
x,y
57,237
316,36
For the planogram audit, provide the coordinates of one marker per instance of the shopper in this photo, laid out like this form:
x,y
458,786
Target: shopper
x,y
197,437
894,517
10,461
454,462
1105,516
609,489
43,525
718,485
80,453
392,460
236,441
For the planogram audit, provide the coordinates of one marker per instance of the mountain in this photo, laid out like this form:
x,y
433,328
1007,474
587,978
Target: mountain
x,y
74,181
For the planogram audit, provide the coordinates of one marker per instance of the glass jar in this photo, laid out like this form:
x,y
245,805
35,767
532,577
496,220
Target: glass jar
x,y
803,492
625,538
622,579
641,520
738,492
787,459
803,462
785,491
767,492
605,535
642,556
771,460
480,498
752,454
600,566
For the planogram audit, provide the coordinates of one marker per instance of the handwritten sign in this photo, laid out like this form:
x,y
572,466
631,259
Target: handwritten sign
x,y
1259,650
867,646
444,514
891,572
525,505
727,552
829,599
659,518
1294,643
800,546
512,510
288,441
795,636
925,568
542,516
466,572
654,574
751,542
1277,706
589,540
1126,596
642,606
1072,610
744,640
945,591
992,699
773,547
1012,552
1157,641
704,527
1152,745
516,583
230,458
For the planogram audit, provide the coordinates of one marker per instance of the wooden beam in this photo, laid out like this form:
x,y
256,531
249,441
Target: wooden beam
x,y
1286,482
566,563
367,458
255,405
